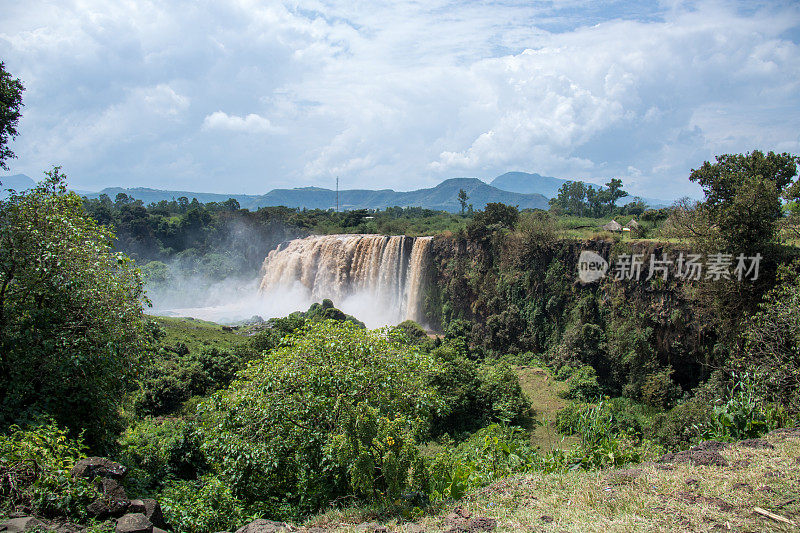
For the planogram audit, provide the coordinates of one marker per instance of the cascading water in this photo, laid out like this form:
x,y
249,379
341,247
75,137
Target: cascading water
x,y
377,278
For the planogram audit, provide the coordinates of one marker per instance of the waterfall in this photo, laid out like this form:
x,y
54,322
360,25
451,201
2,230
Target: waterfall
x,y
378,278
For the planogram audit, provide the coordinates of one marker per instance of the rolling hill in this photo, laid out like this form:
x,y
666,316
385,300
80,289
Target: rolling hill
x,y
442,197
18,182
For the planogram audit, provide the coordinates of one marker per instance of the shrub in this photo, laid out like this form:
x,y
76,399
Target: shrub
x,y
169,383
219,366
413,331
202,506
157,451
743,414
474,395
581,383
267,434
35,469
501,394
380,454
658,389
681,426
492,453
458,385
772,342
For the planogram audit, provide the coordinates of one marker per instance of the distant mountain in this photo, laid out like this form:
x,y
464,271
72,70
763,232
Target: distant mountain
x,y
443,197
18,182
525,183
148,195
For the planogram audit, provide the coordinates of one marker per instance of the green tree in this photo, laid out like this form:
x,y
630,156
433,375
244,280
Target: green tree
x,y
743,197
462,199
613,192
71,323
10,103
772,342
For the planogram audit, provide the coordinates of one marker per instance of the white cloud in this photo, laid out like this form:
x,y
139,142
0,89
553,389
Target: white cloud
x,y
397,94
252,123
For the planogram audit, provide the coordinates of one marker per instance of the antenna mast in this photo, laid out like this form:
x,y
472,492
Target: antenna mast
x,y
337,194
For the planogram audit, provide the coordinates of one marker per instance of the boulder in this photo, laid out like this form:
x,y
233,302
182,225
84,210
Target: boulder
x,y
24,523
151,509
92,467
134,523
113,502
264,526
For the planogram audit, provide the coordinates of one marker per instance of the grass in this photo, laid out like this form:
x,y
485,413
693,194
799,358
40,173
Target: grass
x,y
197,334
648,497
543,391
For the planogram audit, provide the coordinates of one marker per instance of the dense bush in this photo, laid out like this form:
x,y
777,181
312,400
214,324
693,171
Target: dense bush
x,y
203,506
474,395
581,383
35,469
272,433
772,343
681,426
158,451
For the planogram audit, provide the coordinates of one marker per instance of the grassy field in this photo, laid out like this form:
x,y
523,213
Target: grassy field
x,y
647,497
197,334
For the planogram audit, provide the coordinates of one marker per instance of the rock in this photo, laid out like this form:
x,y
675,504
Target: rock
x,y
264,526
92,467
134,523
68,527
137,506
24,523
113,502
152,510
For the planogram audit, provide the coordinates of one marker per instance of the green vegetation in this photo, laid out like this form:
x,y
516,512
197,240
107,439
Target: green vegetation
x,y
575,198
10,103
71,326
35,472
534,376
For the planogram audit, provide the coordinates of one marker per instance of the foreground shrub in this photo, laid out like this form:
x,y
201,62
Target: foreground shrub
x,y
581,383
379,453
743,413
35,469
772,342
202,506
474,395
493,453
271,435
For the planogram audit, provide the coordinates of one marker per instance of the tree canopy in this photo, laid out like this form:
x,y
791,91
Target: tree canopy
x,y
743,195
71,322
10,104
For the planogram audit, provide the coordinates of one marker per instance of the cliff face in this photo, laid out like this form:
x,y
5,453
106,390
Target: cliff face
x,y
521,294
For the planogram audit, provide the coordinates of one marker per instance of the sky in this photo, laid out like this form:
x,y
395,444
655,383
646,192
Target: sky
x,y
243,96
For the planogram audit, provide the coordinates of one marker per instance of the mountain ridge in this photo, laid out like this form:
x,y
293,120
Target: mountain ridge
x,y
443,196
